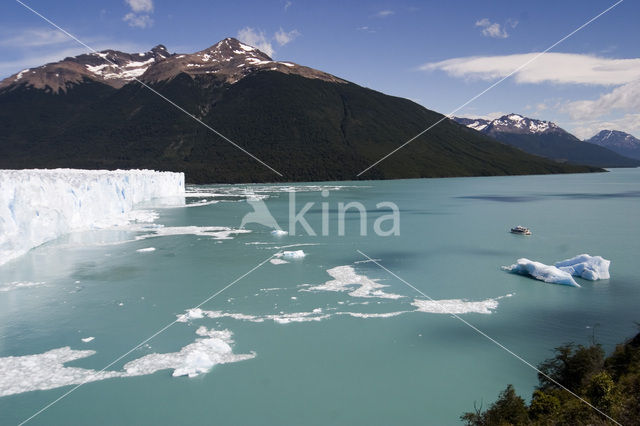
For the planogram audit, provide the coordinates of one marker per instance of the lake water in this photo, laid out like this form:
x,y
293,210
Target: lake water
x,y
316,356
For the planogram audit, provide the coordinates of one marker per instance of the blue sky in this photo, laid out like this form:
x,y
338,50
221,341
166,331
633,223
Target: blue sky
x,y
437,53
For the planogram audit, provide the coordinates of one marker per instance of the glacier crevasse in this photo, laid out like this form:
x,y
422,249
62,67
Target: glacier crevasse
x,y
40,205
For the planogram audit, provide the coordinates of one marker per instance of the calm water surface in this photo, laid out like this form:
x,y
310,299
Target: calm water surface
x,y
412,368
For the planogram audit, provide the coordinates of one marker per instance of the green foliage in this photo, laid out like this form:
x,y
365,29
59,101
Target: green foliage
x,y
611,384
572,366
543,405
509,409
601,391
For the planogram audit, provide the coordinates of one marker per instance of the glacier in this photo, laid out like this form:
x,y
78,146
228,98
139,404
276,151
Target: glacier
x,y
39,205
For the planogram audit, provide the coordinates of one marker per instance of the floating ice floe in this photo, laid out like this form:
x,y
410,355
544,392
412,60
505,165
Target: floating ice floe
x,y
447,306
295,254
214,232
40,205
316,314
345,279
194,359
295,245
542,272
87,339
277,261
588,267
584,266
47,370
457,306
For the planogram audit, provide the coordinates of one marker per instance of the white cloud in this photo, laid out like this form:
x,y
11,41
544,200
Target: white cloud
x,y
384,13
366,29
488,116
139,21
35,37
284,37
256,38
494,30
140,13
550,67
140,5
287,5
629,123
625,98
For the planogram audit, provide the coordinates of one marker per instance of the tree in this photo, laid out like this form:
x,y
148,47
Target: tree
x,y
572,367
509,409
543,405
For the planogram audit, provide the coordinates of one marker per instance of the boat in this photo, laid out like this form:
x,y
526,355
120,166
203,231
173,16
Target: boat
x,y
521,230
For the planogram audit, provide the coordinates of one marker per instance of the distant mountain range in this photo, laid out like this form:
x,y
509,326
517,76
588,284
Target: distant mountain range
x,y
546,139
84,112
620,142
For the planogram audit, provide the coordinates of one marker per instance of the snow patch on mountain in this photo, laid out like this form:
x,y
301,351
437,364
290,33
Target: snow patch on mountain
x,y
510,123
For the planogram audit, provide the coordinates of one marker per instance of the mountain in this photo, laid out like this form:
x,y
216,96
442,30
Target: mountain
x,y
59,76
83,112
620,142
546,139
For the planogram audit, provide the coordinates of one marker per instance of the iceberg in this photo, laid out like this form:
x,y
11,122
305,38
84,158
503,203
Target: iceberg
x,y
37,206
294,254
542,272
588,267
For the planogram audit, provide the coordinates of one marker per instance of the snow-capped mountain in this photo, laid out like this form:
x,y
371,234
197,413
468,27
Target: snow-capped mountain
x,y
620,142
511,123
230,60
546,139
85,112
110,67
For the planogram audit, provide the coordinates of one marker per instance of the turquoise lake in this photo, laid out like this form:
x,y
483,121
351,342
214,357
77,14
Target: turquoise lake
x,y
316,356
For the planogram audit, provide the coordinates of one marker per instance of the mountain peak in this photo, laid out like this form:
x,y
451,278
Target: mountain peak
x,y
510,123
620,142
546,139
160,49
231,47
228,61
517,123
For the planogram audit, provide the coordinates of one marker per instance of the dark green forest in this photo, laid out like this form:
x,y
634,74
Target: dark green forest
x,y
307,129
609,383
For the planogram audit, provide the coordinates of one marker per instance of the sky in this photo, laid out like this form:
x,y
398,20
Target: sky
x,y
440,54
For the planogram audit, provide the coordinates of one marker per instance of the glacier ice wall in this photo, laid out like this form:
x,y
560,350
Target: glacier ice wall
x,y
40,205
